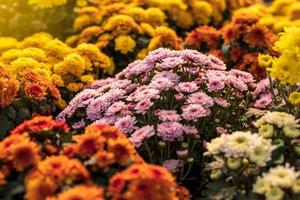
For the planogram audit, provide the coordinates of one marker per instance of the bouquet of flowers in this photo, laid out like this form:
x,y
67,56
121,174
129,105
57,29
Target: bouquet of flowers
x,y
168,104
238,43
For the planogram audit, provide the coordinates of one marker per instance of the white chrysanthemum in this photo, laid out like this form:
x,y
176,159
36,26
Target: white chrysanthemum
x,y
274,193
281,176
261,186
279,119
214,146
266,131
291,131
296,186
261,153
238,143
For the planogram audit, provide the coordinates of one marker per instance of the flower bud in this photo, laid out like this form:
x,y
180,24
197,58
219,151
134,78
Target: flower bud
x,y
280,160
185,145
215,174
279,142
234,163
180,139
190,160
182,154
297,149
197,136
162,144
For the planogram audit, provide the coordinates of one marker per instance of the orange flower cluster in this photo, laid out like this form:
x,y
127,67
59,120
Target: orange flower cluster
x,y
40,124
81,192
71,175
238,43
143,181
103,145
204,38
9,87
36,87
29,84
18,152
52,174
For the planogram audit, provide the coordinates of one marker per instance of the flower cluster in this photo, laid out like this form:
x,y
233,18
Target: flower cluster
x,y
285,68
22,96
279,183
167,99
238,43
276,15
187,14
239,150
143,181
28,144
33,157
123,31
68,68
237,159
102,146
52,174
283,129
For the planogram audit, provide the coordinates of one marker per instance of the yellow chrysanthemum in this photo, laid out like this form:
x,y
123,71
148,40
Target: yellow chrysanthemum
x,y
294,98
7,43
155,17
120,25
124,44
202,12
265,60
87,79
47,3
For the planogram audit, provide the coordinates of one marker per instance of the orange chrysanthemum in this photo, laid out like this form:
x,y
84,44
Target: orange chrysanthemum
x,y
81,192
204,37
104,159
24,155
39,187
143,181
122,149
19,151
62,169
250,63
89,143
260,36
35,91
9,87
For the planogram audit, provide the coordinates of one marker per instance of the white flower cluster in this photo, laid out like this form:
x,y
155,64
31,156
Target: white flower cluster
x,y
241,145
272,121
278,180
